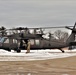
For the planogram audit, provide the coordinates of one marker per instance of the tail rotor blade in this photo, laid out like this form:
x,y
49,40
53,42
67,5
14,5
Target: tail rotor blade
x,y
74,25
68,28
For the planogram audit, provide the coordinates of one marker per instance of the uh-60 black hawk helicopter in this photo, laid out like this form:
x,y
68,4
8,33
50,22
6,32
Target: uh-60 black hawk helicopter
x,y
22,39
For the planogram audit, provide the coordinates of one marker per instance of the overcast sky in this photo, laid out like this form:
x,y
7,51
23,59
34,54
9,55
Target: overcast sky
x,y
37,13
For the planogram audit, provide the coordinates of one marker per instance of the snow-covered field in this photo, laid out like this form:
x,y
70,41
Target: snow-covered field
x,y
35,55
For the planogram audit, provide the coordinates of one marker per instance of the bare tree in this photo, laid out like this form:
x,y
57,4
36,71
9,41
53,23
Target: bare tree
x,y
60,35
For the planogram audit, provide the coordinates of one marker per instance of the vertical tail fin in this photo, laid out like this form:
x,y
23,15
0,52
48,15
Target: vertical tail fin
x,y
72,36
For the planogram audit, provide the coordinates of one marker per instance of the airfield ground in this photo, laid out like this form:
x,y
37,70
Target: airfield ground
x,y
38,63
60,66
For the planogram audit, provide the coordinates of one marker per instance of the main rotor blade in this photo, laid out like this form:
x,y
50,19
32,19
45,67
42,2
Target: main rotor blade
x,y
55,27
25,28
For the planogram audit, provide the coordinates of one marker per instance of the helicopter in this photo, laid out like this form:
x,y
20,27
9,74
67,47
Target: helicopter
x,y
21,41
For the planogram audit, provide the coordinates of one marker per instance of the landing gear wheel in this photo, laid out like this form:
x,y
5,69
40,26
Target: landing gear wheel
x,y
18,50
9,50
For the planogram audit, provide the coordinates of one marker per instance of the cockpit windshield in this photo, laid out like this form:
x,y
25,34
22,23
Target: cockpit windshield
x,y
2,39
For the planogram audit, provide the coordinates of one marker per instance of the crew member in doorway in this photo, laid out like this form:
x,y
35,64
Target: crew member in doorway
x,y
28,47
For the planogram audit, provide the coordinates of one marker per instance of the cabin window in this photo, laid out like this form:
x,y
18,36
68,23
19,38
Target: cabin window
x,y
14,41
32,42
6,41
37,42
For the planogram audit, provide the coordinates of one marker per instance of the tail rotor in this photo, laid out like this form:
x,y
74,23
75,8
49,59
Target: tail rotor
x,y
73,29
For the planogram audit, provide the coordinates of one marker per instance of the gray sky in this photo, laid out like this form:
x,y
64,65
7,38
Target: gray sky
x,y
37,13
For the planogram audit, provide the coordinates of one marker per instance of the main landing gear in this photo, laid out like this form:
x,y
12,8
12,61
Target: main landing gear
x,y
62,50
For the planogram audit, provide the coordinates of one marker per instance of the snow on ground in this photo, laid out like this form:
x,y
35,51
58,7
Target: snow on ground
x,y
35,55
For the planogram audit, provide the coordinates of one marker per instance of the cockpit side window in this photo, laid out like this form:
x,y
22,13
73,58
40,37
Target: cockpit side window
x,y
6,41
2,39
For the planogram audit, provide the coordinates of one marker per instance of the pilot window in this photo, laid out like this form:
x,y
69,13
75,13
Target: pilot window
x,y
37,42
6,41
